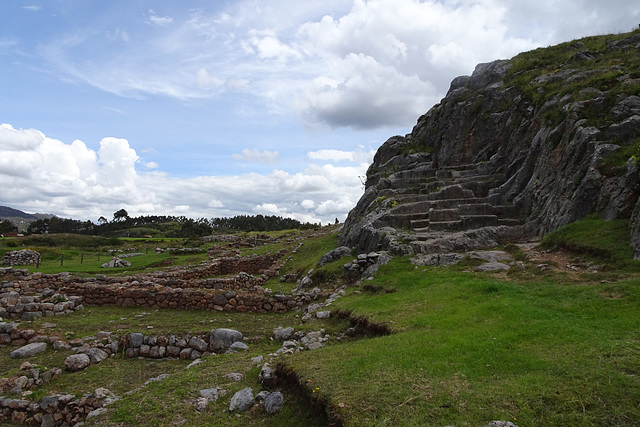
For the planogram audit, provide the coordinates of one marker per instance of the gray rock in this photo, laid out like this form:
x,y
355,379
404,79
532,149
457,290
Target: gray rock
x,y
267,376
29,350
492,266
334,255
242,400
235,376
220,340
500,424
201,404
323,314
239,346
283,334
262,395
198,344
136,339
212,394
97,355
77,362
273,402
97,412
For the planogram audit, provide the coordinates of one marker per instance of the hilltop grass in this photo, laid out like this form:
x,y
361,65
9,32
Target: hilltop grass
x,y
595,240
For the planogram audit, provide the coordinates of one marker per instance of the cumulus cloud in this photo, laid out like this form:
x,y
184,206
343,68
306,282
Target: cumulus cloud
x,y
72,180
360,64
256,155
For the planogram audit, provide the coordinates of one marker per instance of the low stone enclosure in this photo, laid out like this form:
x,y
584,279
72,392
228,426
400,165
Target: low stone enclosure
x,y
195,287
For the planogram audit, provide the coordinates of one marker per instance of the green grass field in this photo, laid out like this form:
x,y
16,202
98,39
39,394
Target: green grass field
x,y
535,347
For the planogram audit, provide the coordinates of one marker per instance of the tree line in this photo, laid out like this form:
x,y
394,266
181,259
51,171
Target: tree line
x,y
168,226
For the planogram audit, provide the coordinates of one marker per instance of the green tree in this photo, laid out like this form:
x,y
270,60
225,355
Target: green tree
x,y
120,215
7,226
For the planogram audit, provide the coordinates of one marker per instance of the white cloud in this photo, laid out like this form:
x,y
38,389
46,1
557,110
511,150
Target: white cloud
x,y
33,8
256,155
308,204
338,155
360,64
155,19
75,181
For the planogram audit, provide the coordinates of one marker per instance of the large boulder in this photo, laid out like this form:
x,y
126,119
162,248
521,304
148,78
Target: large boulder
x,y
29,350
220,340
242,400
77,362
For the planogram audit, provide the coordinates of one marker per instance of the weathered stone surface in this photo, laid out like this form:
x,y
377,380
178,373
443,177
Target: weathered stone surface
x,y
267,376
519,169
29,350
212,394
334,255
77,362
97,355
136,339
220,340
273,402
283,334
198,344
239,346
242,400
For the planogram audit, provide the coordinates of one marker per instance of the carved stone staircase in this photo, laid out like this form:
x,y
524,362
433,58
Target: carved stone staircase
x,y
431,202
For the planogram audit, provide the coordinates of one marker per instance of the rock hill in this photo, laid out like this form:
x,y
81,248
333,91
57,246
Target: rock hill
x,y
518,149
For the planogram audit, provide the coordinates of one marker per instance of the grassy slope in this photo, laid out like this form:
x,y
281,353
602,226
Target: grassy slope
x,y
534,348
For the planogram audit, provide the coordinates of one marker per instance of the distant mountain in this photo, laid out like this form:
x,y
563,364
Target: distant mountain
x,y
7,213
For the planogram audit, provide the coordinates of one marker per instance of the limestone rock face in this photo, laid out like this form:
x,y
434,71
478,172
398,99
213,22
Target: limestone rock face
x,y
518,149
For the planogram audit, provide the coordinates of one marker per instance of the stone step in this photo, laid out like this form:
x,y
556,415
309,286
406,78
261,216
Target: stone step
x,y
445,225
510,221
451,192
420,224
444,215
470,222
419,172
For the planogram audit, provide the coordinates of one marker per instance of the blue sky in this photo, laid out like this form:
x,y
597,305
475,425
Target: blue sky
x,y
219,108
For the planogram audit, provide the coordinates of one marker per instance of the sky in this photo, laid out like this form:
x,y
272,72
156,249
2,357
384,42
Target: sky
x,y
220,108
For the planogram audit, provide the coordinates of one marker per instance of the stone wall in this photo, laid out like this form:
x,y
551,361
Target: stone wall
x,y
157,296
53,410
21,257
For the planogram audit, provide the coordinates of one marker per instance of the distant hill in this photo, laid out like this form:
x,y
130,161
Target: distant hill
x,y
20,218
7,213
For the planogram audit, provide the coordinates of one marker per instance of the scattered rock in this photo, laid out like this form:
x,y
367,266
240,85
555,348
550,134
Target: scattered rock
x,y
29,350
267,376
77,362
242,400
501,424
239,346
493,266
235,376
273,402
212,394
283,334
220,340
97,355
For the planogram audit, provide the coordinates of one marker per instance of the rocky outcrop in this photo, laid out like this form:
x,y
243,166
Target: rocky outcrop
x,y
518,149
